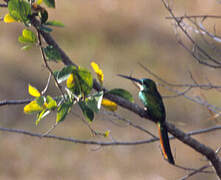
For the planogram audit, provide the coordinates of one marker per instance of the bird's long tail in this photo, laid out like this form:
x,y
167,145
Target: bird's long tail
x,y
165,143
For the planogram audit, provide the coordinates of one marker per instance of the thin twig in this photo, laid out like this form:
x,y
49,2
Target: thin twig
x,y
24,132
194,17
50,130
179,94
203,86
72,140
47,85
200,170
130,123
46,63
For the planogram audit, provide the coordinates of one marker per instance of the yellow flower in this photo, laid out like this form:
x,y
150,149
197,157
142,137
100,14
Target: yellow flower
x,y
9,19
107,133
39,2
70,81
33,91
109,105
98,71
32,107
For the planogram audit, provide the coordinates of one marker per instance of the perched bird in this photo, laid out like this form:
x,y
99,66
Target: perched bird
x,y
153,103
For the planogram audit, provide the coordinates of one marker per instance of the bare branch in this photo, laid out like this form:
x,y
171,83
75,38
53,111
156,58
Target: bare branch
x,y
72,140
130,123
215,63
203,86
15,102
194,17
200,170
101,143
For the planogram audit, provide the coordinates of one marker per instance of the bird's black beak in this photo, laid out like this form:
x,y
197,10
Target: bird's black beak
x,y
136,81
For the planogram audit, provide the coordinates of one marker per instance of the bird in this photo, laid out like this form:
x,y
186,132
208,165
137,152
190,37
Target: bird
x,y
153,103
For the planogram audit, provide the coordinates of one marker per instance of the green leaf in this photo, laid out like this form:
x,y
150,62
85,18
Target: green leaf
x,y
55,23
19,10
85,80
87,112
50,3
51,103
41,115
52,53
122,93
94,102
26,47
23,40
64,73
40,100
29,35
63,111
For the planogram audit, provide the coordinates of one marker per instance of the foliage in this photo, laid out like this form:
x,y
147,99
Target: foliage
x,y
79,81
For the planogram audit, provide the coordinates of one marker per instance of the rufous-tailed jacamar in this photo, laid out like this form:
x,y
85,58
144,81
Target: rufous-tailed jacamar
x,y
153,103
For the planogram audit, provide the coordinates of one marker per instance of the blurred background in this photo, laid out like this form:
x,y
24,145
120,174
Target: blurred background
x,y
116,34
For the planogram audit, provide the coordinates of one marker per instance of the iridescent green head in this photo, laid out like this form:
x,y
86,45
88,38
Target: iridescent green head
x,y
143,84
147,84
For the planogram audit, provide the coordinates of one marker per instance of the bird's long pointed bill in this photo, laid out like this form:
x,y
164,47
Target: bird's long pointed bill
x,y
137,82
131,78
